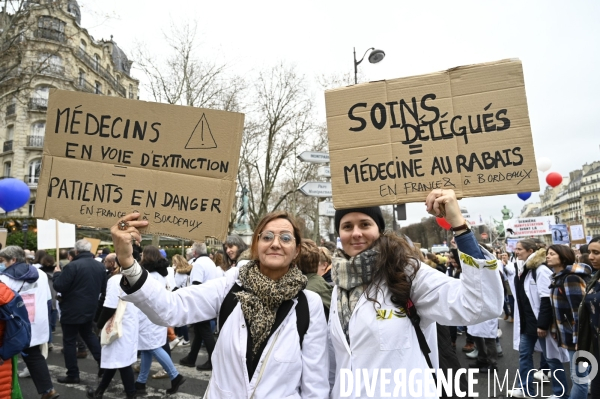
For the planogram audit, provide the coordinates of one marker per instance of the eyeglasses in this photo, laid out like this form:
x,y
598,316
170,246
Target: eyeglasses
x,y
284,238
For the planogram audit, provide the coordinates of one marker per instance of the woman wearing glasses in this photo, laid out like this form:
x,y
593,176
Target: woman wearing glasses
x,y
262,349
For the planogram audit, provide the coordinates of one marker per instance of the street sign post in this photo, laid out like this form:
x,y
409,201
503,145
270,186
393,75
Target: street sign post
x,y
326,209
314,157
316,189
324,171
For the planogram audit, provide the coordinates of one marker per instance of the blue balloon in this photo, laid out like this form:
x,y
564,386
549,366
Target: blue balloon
x,y
524,196
14,194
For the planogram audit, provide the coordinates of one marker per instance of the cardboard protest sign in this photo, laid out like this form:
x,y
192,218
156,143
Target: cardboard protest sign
x,y
3,236
466,128
577,234
529,226
105,157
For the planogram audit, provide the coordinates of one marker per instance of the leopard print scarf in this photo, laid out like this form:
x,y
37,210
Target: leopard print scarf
x,y
262,296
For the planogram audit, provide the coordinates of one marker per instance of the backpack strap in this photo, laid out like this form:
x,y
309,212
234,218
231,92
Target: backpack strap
x,y
302,311
229,303
302,316
412,314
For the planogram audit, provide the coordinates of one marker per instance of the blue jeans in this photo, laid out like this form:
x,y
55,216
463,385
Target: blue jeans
x,y
526,370
578,390
162,358
52,320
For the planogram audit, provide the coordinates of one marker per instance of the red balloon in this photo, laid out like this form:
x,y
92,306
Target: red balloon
x,y
554,179
443,223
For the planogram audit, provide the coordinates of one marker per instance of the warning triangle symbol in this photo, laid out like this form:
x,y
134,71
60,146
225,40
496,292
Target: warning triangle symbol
x,y
201,136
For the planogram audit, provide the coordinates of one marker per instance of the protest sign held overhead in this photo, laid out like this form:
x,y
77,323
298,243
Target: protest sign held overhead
x,y
466,129
529,226
105,157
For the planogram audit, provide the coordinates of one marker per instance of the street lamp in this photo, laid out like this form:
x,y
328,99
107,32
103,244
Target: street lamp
x,y
374,58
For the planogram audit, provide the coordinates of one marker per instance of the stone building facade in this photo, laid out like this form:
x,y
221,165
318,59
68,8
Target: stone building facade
x,y
43,45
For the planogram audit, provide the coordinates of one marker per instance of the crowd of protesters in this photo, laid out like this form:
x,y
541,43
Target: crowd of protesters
x,y
282,317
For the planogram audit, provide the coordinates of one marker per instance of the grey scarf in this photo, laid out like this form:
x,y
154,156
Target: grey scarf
x,y
351,276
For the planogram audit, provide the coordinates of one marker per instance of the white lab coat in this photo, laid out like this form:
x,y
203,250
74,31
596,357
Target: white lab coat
x,y
378,342
290,372
122,352
151,335
535,291
35,296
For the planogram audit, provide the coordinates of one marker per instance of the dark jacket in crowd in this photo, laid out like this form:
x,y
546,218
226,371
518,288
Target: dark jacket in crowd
x,y
80,284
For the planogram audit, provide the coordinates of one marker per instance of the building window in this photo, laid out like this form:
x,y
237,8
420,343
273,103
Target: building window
x,y
7,169
96,62
31,208
98,88
83,46
81,78
34,171
130,91
51,28
10,132
51,63
38,128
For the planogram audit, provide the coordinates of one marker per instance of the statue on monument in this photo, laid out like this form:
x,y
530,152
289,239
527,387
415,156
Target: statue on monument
x,y
506,215
242,223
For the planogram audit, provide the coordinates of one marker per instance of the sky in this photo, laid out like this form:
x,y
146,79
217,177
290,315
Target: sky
x,y
556,41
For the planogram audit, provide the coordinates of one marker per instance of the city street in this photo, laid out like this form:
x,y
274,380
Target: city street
x,y
197,381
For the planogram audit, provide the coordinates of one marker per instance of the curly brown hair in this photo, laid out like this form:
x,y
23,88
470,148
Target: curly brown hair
x,y
396,265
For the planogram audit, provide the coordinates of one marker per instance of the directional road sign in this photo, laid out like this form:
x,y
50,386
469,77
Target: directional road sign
x,y
316,189
314,157
324,171
326,209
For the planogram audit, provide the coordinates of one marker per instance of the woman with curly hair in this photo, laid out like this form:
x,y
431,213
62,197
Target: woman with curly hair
x,y
380,281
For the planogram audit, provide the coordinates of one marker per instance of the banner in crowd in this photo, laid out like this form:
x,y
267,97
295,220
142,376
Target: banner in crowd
x,y
511,244
560,234
105,157
51,236
466,128
529,226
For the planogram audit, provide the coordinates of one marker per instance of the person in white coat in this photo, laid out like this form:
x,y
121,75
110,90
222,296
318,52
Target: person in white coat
x,y
260,352
532,319
152,336
122,352
33,287
368,324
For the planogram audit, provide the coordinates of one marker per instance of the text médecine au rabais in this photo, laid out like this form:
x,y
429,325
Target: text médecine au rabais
x,y
422,121
105,126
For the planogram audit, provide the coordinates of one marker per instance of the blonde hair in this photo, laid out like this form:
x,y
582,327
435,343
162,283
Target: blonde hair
x,y
324,255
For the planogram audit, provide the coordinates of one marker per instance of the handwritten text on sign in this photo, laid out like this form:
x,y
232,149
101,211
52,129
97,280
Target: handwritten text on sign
x,y
466,129
104,157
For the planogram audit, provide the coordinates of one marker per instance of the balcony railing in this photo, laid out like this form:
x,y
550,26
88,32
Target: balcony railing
x,y
590,190
35,141
593,224
32,180
592,213
50,34
591,201
38,104
11,109
46,68
95,65
8,146
84,85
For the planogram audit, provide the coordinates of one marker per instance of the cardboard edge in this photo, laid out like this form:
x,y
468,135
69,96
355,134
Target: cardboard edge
x,y
44,179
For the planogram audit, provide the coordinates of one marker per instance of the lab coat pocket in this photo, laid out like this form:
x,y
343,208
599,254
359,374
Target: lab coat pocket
x,y
222,393
393,326
286,352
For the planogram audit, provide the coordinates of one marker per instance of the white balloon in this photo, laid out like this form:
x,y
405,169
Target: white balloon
x,y
544,164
